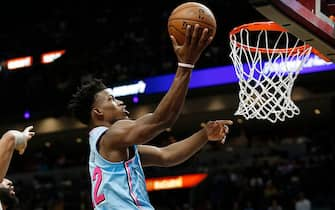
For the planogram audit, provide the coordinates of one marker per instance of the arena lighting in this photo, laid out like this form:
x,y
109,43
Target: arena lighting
x,y
292,65
50,57
132,89
214,76
174,182
26,115
135,99
22,62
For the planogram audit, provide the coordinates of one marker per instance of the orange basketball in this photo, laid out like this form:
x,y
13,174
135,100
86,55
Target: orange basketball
x,y
190,13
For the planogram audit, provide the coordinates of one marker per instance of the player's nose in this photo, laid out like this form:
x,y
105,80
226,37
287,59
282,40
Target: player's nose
x,y
119,102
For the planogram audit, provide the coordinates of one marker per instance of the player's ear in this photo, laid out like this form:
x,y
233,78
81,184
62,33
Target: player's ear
x,y
96,112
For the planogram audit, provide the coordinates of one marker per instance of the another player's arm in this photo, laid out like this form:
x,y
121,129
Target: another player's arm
x,y
181,151
7,146
142,130
10,141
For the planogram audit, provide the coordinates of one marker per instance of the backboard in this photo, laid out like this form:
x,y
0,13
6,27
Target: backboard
x,y
310,20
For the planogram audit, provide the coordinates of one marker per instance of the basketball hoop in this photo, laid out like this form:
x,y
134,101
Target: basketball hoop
x,y
267,60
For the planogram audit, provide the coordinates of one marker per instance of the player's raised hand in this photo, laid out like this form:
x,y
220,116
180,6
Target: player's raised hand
x,y
196,40
21,138
217,130
27,135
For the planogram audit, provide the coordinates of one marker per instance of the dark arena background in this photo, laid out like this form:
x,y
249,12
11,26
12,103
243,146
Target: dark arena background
x,y
125,42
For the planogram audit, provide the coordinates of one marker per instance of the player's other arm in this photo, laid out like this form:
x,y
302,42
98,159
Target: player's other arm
x,y
142,130
10,141
7,146
181,151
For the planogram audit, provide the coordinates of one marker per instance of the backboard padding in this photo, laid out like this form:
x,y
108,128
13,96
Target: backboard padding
x,y
301,22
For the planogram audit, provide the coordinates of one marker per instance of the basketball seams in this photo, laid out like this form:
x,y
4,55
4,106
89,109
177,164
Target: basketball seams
x,y
195,21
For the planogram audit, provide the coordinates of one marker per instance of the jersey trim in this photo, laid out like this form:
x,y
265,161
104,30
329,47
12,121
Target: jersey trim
x,y
130,184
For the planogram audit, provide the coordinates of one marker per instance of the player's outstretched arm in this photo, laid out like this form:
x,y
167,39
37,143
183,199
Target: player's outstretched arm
x,y
172,103
10,141
168,110
181,151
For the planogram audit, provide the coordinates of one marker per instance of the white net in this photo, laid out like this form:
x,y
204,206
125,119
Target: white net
x,y
267,65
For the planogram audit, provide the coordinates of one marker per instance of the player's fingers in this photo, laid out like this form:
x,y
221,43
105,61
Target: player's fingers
x,y
196,34
174,41
21,151
215,124
216,130
30,137
225,122
223,140
210,124
222,131
208,41
188,35
28,129
226,129
204,39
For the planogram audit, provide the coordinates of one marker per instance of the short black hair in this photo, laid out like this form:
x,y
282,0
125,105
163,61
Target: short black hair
x,y
81,102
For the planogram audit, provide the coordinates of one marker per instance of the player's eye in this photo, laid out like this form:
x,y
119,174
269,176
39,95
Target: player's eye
x,y
111,98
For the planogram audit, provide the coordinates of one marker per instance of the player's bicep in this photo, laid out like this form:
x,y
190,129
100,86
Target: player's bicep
x,y
125,133
144,129
151,156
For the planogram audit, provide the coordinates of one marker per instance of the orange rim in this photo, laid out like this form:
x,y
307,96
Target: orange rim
x,y
268,26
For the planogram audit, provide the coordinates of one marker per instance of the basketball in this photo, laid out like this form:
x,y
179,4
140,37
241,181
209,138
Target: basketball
x,y
190,13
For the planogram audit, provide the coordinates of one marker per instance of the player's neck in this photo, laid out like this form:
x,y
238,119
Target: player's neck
x,y
98,123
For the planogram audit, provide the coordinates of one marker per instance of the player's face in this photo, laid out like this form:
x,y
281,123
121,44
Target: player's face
x,y
109,107
7,184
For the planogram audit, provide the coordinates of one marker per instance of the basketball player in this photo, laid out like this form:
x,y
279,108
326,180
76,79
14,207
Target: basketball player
x,y
117,150
10,141
7,195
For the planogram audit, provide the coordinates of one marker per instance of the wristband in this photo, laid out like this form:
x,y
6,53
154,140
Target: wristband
x,y
186,65
19,137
